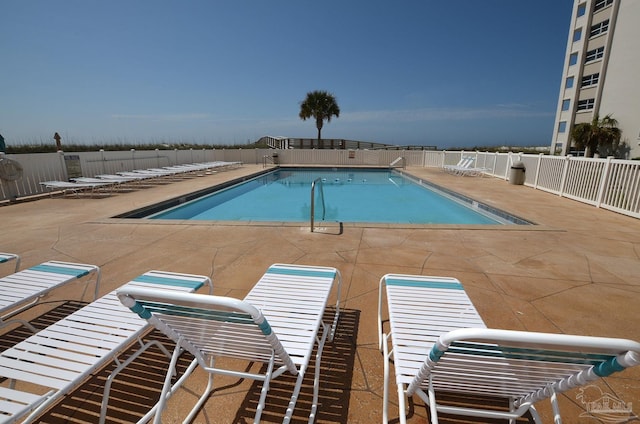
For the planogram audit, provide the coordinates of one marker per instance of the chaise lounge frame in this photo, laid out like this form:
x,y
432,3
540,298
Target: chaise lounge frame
x,y
434,350
59,358
278,323
7,257
24,289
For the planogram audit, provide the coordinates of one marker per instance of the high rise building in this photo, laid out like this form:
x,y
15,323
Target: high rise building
x,y
601,74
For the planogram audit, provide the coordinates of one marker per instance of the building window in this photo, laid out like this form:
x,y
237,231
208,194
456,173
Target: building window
x,y
577,35
594,54
601,4
562,126
600,28
582,9
590,80
573,59
565,104
587,104
569,82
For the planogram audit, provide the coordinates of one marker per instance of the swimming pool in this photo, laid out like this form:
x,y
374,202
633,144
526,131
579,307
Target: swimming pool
x,y
350,195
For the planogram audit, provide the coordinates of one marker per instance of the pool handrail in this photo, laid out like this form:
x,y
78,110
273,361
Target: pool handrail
x,y
313,187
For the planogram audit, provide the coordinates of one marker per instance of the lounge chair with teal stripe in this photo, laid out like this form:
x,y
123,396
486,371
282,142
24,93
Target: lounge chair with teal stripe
x,y
22,290
7,257
39,371
278,324
439,345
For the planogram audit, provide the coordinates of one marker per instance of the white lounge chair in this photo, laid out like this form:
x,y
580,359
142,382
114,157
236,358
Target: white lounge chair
x,y
434,351
465,168
75,188
470,170
120,178
154,173
47,366
278,323
462,163
22,290
7,257
138,175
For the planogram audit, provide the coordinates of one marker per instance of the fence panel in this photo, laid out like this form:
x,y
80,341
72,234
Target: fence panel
x,y
430,159
35,169
549,173
485,160
452,157
583,179
621,192
500,166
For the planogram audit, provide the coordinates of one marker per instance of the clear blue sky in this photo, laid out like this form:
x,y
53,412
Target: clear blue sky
x,y
450,73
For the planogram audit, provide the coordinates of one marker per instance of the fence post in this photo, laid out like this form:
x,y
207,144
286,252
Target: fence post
x,y
506,168
535,181
63,166
133,158
563,180
603,181
102,161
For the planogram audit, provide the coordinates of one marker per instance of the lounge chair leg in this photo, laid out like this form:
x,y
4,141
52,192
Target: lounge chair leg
x,y
166,388
177,384
385,387
535,415
120,366
316,378
264,390
336,317
203,398
22,323
402,407
554,405
334,325
294,398
433,405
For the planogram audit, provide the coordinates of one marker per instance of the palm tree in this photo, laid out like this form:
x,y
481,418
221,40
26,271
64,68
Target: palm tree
x,y
320,105
597,136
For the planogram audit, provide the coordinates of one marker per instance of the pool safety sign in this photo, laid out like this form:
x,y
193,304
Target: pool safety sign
x,y
72,162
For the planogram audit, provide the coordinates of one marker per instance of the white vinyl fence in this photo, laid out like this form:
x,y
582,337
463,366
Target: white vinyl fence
x,y
605,183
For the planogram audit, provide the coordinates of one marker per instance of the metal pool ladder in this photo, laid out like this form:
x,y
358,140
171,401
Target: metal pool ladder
x,y
313,188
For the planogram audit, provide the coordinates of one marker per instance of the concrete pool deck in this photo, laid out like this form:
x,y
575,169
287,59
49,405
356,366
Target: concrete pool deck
x,y
577,271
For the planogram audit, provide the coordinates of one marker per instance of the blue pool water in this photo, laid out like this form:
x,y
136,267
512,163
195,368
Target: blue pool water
x,y
350,195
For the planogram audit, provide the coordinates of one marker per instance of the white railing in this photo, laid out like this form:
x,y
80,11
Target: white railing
x,y
609,183
312,216
276,142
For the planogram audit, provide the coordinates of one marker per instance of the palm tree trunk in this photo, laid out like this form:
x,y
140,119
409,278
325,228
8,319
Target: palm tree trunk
x,y
319,126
